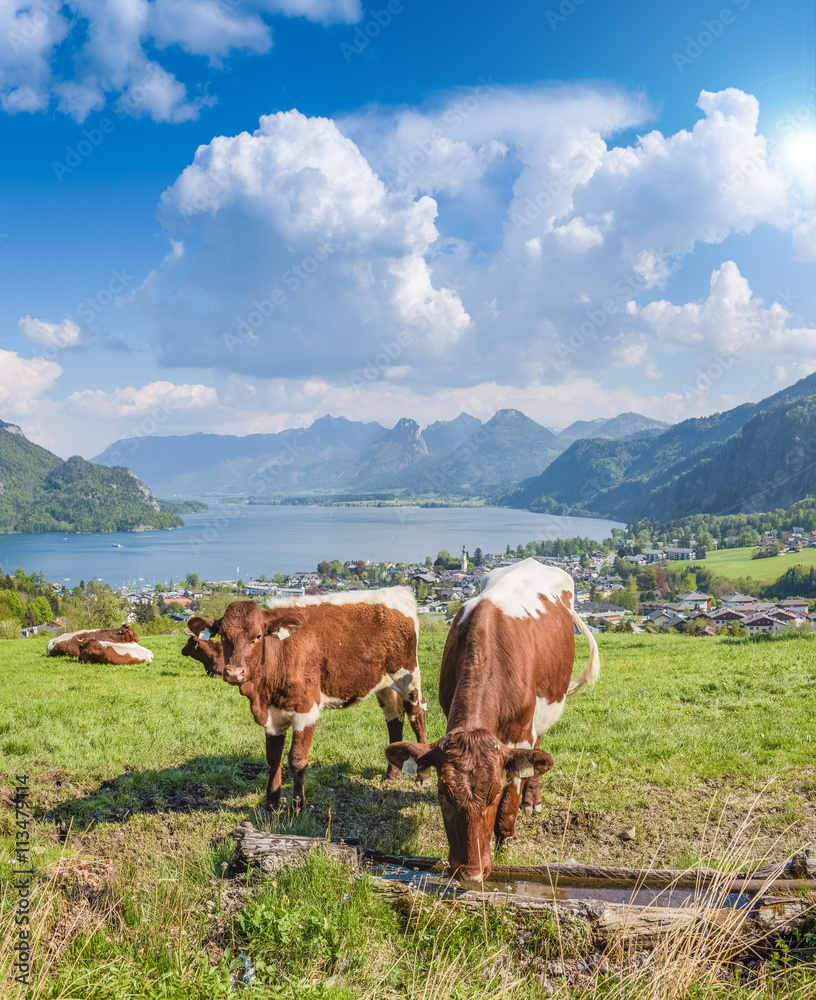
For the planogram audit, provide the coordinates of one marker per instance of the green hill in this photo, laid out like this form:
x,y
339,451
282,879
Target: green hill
x,y
754,457
39,492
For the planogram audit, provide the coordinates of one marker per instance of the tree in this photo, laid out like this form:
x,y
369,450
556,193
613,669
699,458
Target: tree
x,y
103,610
41,609
11,605
193,582
146,613
689,583
628,597
478,557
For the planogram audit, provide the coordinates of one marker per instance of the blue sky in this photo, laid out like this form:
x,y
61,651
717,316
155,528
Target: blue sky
x,y
404,209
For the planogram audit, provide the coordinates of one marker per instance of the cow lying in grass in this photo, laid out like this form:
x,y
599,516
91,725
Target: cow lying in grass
x,y
96,651
68,643
298,657
506,672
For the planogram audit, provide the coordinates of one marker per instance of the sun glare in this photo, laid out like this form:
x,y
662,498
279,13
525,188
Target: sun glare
x,y
799,151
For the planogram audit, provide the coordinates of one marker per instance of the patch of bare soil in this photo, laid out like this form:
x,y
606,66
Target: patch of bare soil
x,y
85,883
712,821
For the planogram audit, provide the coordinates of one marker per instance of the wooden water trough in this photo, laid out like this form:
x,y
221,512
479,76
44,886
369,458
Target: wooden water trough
x,y
735,913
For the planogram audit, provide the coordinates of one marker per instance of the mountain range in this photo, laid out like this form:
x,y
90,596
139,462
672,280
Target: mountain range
x,y
459,458
755,457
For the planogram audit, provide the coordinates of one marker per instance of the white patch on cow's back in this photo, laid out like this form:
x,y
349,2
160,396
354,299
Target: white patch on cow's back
x,y
399,598
128,649
517,590
546,714
58,639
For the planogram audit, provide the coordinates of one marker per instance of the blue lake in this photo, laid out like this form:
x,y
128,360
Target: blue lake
x,y
231,541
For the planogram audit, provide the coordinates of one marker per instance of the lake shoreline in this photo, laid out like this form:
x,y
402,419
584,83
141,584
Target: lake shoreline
x,y
229,541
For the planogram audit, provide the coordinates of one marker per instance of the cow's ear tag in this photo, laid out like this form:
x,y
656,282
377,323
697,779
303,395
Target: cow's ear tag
x,y
409,767
526,771
283,633
204,634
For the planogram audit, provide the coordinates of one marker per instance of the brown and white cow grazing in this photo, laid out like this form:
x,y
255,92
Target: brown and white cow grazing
x,y
506,673
298,657
68,643
96,651
210,653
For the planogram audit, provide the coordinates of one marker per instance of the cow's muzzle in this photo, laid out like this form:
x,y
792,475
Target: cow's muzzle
x,y
234,675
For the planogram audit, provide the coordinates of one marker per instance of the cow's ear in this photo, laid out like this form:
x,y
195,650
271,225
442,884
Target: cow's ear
x,y
422,754
281,623
526,763
197,625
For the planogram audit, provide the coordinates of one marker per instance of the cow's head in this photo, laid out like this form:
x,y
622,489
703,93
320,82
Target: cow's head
x,y
474,767
249,637
210,654
126,634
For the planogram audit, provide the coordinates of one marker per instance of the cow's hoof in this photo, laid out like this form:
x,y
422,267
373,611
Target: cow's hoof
x,y
528,810
538,808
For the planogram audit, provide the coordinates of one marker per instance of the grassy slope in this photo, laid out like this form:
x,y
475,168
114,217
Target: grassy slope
x,y
674,726
736,563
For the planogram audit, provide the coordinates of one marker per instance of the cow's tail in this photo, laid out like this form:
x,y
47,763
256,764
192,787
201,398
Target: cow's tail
x,y
592,670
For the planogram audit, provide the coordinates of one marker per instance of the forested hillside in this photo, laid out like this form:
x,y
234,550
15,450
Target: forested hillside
x,y
754,457
39,492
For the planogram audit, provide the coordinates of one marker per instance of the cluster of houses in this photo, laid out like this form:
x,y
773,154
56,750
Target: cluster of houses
x,y
445,586
752,614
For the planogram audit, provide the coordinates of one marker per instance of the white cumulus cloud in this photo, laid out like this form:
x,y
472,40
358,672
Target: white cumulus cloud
x,y
59,335
81,52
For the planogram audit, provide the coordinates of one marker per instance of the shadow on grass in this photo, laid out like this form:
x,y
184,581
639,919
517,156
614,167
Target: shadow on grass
x,y
346,802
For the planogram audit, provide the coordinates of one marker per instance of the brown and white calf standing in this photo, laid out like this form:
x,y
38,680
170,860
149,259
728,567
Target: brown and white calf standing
x,y
207,652
506,673
298,657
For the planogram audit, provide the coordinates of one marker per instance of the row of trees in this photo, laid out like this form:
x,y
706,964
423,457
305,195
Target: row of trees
x,y
742,530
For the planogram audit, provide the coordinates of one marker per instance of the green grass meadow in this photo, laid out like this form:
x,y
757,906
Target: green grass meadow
x,y
737,563
140,774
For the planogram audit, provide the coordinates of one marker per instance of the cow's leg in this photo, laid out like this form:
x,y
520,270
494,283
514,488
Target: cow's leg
x,y
415,708
391,704
299,761
505,827
274,755
416,716
531,796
